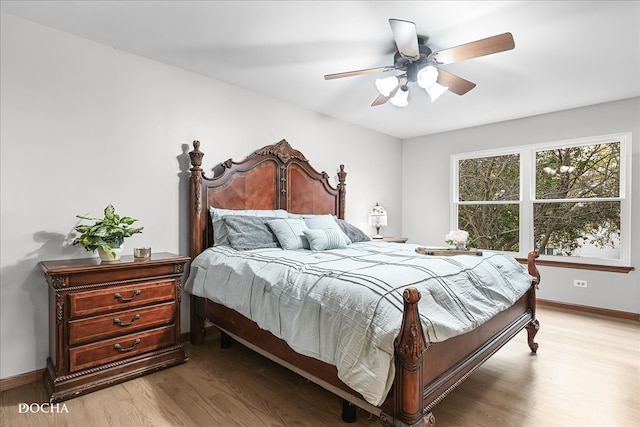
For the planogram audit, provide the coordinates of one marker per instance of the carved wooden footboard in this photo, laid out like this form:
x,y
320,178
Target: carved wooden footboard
x,y
279,177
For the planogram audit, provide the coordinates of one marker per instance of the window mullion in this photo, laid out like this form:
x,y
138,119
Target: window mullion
x,y
527,194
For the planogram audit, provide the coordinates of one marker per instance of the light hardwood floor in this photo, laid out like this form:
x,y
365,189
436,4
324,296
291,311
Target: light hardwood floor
x,y
586,373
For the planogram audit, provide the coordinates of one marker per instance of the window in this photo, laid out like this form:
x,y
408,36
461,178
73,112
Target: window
x,y
565,199
489,201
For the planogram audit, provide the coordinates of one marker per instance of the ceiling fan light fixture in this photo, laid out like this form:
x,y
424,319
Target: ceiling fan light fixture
x,y
435,90
386,85
401,98
419,64
427,76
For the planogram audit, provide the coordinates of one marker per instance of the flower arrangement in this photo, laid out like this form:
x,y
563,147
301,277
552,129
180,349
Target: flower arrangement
x,y
457,238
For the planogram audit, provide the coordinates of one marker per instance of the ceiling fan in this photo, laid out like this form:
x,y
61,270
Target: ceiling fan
x,y
418,64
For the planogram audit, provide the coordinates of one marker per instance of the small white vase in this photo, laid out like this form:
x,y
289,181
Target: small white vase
x,y
108,257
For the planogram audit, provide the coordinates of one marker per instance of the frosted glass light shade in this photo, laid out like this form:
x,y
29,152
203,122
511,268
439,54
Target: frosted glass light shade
x,y
377,219
387,85
427,76
401,98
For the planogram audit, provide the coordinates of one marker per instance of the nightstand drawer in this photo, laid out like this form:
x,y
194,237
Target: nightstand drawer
x,y
90,355
104,300
120,323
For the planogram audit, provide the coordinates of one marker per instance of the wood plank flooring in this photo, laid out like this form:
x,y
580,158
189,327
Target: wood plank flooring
x,y
586,373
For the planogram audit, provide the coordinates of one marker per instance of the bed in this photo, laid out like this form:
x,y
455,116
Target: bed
x,y
426,363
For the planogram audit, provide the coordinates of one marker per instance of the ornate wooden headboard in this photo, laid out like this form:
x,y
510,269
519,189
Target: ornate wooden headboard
x,y
273,177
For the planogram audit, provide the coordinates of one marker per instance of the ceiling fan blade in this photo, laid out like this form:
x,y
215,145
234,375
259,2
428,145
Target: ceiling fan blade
x,y
358,72
406,37
381,99
456,84
483,47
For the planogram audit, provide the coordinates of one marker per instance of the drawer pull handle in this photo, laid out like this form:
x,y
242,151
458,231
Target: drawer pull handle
x,y
118,322
123,299
119,347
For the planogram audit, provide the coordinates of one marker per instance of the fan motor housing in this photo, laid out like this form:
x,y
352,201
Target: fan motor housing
x,y
412,66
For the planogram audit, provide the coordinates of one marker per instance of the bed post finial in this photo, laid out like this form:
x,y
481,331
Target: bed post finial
x,y
196,157
342,188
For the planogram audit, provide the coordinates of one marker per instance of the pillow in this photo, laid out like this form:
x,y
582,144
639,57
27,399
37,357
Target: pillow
x,y
220,230
249,232
290,232
353,233
323,239
324,222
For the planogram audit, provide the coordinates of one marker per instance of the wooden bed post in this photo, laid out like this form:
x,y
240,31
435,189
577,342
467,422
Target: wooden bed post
x,y
342,188
197,210
408,387
533,326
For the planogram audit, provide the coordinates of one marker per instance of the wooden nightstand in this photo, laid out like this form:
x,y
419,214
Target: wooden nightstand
x,y
111,321
391,239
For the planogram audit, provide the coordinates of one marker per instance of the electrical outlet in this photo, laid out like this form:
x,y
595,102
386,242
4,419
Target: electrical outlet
x,y
580,283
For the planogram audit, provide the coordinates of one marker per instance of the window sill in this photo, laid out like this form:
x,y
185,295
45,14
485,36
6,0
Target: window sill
x,y
579,266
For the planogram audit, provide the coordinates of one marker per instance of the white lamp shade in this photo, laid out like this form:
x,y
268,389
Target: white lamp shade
x,y
401,98
387,85
377,216
427,76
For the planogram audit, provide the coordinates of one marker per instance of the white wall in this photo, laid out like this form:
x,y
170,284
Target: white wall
x,y
84,125
425,208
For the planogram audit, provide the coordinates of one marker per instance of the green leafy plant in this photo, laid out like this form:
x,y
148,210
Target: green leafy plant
x,y
107,233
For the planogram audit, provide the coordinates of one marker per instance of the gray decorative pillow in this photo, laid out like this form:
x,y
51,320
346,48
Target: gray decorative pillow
x,y
220,230
352,232
290,233
323,239
249,232
324,222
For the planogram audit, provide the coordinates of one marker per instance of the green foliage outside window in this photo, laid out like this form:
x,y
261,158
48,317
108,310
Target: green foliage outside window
x,y
576,205
491,179
572,188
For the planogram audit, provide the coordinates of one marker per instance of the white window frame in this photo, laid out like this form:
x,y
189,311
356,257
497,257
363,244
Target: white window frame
x,y
527,188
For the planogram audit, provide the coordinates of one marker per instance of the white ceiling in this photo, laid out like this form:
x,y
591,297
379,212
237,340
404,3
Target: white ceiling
x,y
568,53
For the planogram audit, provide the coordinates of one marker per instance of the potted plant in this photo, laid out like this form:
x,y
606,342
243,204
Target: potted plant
x,y
106,234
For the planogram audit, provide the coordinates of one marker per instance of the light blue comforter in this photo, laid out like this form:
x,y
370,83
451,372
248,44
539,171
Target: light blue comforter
x,y
344,306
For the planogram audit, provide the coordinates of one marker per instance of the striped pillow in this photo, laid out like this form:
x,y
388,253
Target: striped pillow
x,y
323,222
290,233
321,239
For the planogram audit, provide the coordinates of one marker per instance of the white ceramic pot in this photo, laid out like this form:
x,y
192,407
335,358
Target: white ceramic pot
x,y
108,257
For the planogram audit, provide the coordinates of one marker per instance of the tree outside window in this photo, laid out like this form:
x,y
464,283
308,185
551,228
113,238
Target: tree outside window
x,y
489,189
577,205
563,199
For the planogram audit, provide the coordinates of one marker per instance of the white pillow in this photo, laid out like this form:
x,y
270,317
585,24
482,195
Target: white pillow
x,y
323,239
290,233
220,232
324,222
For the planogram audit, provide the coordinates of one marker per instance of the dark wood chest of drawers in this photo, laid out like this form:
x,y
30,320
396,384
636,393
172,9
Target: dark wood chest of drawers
x,y
111,321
